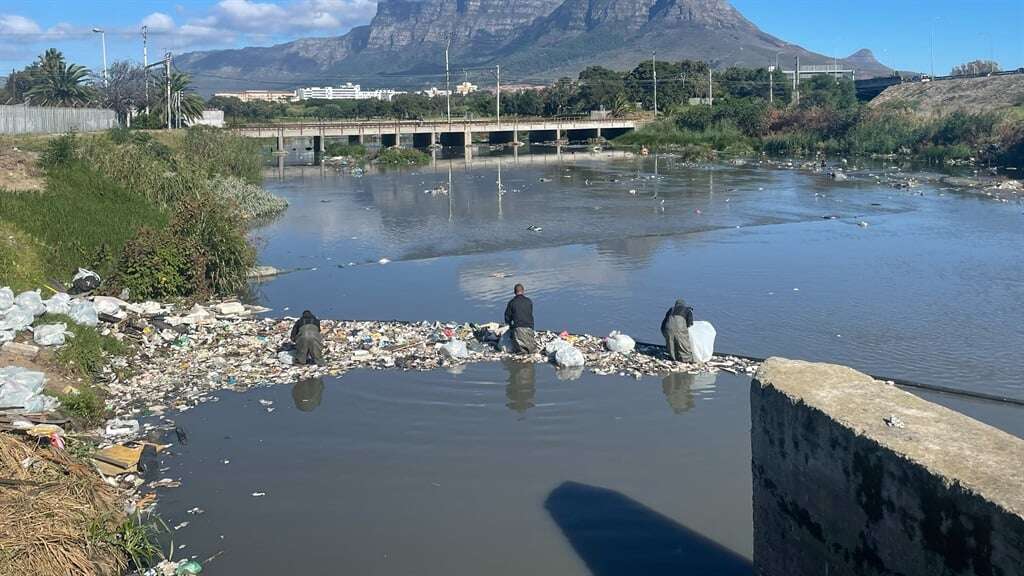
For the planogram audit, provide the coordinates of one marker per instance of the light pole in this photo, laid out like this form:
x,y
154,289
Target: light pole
x,y
103,40
654,70
145,63
448,82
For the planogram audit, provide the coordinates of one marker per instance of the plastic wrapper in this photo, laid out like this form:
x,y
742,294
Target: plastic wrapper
x,y
50,334
83,312
21,387
620,343
702,340
16,319
30,301
552,348
570,357
60,303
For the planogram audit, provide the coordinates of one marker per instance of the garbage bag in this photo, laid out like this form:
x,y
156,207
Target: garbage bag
x,y
570,357
50,334
31,301
60,303
620,343
83,312
21,387
505,342
6,336
702,340
455,349
552,348
17,319
108,305
6,299
85,281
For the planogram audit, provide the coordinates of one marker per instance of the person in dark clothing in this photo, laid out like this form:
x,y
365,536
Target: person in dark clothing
x,y
676,330
519,317
307,338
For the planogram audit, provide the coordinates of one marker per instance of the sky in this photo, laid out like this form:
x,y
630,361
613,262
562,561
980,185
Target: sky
x,y
920,35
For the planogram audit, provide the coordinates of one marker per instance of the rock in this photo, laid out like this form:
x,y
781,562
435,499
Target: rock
x,y
26,351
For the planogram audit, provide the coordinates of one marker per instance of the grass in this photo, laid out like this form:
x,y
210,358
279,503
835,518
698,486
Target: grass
x,y
21,263
85,407
83,354
402,157
133,535
347,150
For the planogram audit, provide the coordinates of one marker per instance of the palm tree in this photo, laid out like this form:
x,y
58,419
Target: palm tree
x,y
57,83
191,104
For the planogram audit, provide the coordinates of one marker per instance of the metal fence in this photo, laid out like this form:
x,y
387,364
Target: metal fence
x,y
45,120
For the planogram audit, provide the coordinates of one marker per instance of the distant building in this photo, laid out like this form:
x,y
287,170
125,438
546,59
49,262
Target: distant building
x,y
259,95
434,92
511,88
348,91
465,89
213,118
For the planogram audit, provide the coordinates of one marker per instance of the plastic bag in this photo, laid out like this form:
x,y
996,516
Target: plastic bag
x,y
6,299
85,281
16,319
6,336
505,342
83,312
552,348
108,305
60,303
118,427
570,357
285,357
21,387
456,349
620,343
702,340
50,334
30,301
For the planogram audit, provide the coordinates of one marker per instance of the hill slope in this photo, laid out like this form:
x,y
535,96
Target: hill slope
x,y
941,97
534,40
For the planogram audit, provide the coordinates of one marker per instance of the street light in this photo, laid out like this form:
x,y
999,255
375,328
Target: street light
x,y
103,40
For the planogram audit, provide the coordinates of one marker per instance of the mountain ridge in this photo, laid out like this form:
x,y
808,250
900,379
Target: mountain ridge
x,y
533,41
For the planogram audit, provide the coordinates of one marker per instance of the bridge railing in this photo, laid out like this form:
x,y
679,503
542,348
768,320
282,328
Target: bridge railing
x,y
511,121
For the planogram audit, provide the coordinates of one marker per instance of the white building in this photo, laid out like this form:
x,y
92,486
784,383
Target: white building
x,y
466,88
348,91
259,95
434,92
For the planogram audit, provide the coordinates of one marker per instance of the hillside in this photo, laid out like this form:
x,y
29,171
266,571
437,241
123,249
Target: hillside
x,y
941,97
533,40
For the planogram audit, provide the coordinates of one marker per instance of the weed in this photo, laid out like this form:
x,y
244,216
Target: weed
x,y
60,151
83,353
85,406
402,157
21,265
133,535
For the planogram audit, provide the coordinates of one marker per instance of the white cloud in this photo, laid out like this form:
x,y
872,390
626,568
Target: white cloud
x,y
11,24
158,22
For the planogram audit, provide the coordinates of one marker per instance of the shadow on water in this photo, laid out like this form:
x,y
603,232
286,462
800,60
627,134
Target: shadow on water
x,y
618,536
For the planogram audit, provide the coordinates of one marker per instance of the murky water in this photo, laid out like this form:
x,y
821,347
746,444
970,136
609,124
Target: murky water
x,y
504,469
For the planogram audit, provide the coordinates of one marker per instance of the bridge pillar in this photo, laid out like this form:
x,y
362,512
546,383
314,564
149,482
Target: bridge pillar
x,y
467,137
280,142
515,136
558,134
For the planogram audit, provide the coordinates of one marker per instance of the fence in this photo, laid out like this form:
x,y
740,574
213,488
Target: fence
x,y
44,120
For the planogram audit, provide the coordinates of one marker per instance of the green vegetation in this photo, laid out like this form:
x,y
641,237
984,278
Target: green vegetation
x,y
20,259
346,150
84,406
401,157
83,354
132,535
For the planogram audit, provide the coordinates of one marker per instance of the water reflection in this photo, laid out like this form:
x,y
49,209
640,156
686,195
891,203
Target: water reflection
x,y
679,389
521,387
308,393
571,373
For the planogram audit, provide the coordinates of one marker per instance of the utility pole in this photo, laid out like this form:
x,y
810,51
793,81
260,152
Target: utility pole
x,y
167,85
796,82
711,88
103,40
448,81
654,69
497,72
771,84
145,62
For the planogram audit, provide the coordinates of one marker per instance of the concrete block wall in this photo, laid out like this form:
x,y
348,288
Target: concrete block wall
x,y
856,477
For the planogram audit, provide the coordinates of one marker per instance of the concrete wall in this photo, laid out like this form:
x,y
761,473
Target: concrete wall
x,y
47,120
840,491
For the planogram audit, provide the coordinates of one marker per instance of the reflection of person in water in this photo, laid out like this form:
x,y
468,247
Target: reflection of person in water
x,y
307,394
521,385
679,388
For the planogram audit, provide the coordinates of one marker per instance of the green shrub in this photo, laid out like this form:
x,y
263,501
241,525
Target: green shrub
x,y
348,150
85,406
60,151
402,157
154,265
217,246
216,152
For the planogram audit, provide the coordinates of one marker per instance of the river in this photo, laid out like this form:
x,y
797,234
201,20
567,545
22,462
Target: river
x,y
505,469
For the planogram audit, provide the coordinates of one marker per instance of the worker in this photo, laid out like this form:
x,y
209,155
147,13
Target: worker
x,y
676,330
307,338
519,317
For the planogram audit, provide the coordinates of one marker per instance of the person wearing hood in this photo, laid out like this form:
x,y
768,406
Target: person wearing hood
x,y
519,317
308,341
676,330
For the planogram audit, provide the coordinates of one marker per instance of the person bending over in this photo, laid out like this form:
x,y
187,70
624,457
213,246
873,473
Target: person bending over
x,y
676,330
519,317
309,343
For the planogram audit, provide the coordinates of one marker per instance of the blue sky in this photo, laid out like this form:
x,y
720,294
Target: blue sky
x,y
898,31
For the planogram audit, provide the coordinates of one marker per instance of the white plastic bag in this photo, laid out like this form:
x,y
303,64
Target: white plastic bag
x,y
31,301
117,427
83,312
552,348
620,343
456,349
108,305
702,340
16,319
6,299
50,334
6,336
570,358
60,303
20,387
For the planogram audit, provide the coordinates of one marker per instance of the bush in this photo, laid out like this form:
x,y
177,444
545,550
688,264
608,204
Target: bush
x,y
249,201
402,157
218,249
83,354
60,151
154,265
348,150
216,152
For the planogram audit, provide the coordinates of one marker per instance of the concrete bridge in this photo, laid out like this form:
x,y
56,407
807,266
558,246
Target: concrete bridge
x,y
423,134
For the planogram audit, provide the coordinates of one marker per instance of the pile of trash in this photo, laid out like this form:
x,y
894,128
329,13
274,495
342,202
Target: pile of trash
x,y
180,357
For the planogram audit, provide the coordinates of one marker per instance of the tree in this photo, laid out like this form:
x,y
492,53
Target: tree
x,y
186,105
599,87
54,82
124,89
975,67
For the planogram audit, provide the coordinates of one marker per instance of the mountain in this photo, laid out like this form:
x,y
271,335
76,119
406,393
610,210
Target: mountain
x,y
532,40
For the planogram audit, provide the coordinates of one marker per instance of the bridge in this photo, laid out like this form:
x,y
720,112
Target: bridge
x,y
426,133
